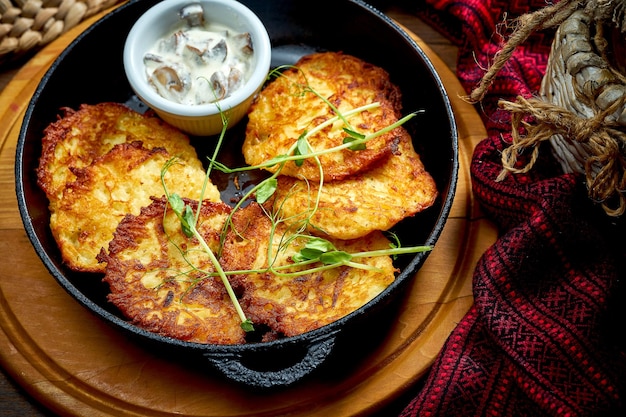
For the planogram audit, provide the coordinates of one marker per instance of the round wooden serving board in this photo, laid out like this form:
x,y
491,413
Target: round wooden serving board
x,y
76,365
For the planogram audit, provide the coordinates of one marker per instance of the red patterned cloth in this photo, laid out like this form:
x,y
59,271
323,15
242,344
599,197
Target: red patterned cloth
x,y
544,336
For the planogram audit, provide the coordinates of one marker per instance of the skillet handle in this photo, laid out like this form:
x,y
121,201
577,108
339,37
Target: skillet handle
x,y
231,365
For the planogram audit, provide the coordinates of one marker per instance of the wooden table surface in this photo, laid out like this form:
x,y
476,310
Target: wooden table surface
x,y
15,400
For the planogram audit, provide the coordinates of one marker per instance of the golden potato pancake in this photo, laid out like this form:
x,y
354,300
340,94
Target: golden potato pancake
x,y
283,111
82,135
376,199
293,305
160,279
118,183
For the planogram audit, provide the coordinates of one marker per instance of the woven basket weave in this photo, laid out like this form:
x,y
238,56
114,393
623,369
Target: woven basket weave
x,y
27,25
580,79
581,106
585,76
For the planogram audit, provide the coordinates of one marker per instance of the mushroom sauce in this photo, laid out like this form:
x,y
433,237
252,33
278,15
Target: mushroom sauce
x,y
199,62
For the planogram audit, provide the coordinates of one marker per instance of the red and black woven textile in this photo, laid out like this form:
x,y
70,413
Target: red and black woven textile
x,y
544,334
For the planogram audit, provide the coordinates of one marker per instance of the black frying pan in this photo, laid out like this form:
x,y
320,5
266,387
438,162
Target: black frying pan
x,y
90,71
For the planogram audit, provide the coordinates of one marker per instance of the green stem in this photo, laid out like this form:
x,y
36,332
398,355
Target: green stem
x,y
222,275
290,157
393,251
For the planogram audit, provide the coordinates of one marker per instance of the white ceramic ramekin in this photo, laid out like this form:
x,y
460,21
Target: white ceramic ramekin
x,y
202,119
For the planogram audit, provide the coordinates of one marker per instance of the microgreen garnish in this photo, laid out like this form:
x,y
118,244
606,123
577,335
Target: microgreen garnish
x,y
313,249
354,136
321,250
302,148
266,190
188,222
315,254
185,214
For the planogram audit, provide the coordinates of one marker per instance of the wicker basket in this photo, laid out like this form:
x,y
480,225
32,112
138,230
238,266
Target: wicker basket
x,y
580,79
585,76
581,106
26,25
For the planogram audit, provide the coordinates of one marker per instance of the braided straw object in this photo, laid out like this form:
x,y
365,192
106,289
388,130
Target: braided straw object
x,y
581,107
26,25
581,78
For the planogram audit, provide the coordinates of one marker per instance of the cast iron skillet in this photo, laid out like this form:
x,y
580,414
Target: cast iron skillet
x,y
90,71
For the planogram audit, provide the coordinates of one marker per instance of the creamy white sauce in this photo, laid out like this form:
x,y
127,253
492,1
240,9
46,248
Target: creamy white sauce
x,y
199,63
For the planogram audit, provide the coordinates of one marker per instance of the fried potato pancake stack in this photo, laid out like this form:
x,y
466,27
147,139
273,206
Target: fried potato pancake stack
x,y
158,277
376,199
293,305
103,161
80,136
287,108
362,190
101,168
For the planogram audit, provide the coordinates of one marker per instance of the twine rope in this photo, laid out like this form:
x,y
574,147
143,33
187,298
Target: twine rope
x,y
604,168
525,25
603,137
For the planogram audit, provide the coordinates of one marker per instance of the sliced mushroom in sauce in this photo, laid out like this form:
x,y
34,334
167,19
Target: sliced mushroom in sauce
x,y
199,62
171,81
219,83
193,13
